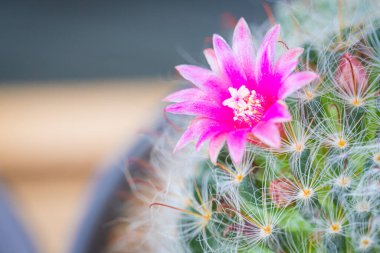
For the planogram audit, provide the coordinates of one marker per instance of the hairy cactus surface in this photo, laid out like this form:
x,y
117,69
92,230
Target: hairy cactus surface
x,y
281,151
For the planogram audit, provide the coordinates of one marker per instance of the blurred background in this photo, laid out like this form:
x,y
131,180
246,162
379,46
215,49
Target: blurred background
x,y
79,82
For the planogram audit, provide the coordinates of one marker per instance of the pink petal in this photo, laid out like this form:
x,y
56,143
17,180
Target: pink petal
x,y
185,95
265,54
243,48
278,113
204,79
236,142
193,131
216,144
268,133
227,62
288,62
196,75
208,133
198,108
211,59
295,82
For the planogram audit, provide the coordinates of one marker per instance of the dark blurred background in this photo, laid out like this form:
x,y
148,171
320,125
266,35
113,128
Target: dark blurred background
x,y
90,39
79,82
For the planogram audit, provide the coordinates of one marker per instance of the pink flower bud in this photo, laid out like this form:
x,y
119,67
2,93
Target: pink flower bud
x,y
282,191
352,78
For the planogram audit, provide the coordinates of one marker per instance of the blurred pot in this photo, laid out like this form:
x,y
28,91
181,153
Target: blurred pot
x,y
106,202
13,237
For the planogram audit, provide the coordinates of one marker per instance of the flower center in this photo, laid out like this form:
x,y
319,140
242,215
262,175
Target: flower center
x,y
335,228
247,106
341,143
207,216
239,177
266,231
299,147
357,102
343,181
362,206
309,96
305,193
365,242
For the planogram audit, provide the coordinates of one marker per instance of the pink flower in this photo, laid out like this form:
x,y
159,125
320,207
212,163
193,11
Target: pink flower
x,y
241,95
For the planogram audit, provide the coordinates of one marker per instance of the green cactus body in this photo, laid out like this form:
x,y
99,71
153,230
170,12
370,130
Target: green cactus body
x,y
319,192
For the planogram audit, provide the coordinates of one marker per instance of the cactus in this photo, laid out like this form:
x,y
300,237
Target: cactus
x,y
314,189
